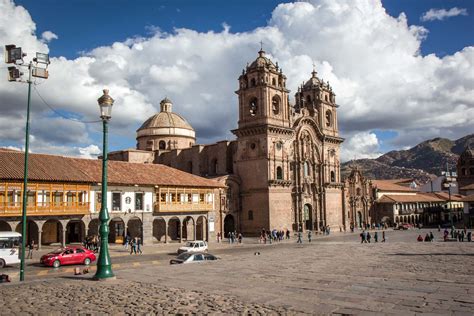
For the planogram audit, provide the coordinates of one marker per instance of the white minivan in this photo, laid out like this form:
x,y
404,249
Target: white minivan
x,y
9,248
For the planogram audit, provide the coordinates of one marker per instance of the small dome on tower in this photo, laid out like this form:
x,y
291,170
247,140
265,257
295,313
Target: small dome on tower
x,y
262,61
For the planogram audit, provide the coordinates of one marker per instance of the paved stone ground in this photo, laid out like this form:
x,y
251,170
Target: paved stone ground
x,y
337,275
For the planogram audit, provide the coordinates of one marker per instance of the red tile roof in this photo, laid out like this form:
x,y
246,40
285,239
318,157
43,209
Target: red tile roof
x,y
405,198
65,169
468,187
391,185
469,198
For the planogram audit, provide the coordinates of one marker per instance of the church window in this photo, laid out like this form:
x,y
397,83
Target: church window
x,y
333,176
358,191
276,105
463,172
162,145
326,97
252,146
253,107
274,82
250,215
279,173
252,82
328,118
278,145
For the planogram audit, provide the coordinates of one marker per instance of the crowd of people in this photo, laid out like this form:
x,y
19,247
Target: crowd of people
x,y
92,243
366,237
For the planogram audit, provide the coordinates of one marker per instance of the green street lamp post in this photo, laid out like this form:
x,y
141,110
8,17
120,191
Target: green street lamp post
x,y
104,264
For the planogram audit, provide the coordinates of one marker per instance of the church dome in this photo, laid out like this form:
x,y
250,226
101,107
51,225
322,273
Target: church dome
x,y
166,126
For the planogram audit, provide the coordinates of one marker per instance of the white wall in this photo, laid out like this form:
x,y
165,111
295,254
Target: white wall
x,y
127,195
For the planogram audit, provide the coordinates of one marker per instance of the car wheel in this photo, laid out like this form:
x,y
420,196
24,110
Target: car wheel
x,y
56,264
87,261
2,263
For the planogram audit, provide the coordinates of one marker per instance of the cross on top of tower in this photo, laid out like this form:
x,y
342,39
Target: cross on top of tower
x,y
261,53
314,72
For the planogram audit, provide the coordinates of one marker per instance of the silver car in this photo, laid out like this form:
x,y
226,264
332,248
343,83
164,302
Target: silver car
x,y
189,257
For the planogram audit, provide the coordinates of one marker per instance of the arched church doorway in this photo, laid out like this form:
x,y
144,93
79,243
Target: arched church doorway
x,y
229,224
308,217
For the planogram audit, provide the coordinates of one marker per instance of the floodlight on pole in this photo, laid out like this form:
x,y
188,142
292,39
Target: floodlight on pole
x,y
42,58
14,54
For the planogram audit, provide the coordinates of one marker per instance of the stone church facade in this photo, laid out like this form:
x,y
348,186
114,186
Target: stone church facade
x,y
283,169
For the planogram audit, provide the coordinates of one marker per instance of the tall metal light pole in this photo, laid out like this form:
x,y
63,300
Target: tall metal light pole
x,y
104,264
14,55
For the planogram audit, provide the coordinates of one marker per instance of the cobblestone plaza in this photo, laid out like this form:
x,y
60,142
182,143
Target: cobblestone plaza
x,y
334,274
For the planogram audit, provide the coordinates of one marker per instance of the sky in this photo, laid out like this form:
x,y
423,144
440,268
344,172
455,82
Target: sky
x,y
402,70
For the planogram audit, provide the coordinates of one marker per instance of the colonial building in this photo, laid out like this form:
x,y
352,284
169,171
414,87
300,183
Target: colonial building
x,y
283,169
154,202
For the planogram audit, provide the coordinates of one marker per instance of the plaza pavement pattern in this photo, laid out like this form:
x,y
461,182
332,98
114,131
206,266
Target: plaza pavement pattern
x,y
335,275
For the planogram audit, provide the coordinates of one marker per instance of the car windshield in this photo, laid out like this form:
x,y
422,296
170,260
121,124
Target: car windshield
x,y
57,251
184,256
190,244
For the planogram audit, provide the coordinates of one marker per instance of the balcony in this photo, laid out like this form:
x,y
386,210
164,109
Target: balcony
x,y
182,207
44,209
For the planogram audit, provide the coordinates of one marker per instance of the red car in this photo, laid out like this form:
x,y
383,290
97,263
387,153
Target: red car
x,y
68,255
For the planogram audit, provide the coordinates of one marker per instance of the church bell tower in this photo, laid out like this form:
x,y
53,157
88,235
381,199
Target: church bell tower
x,y
264,147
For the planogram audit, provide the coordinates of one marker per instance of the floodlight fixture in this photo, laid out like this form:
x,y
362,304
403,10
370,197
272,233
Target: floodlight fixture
x,y
13,73
39,73
13,53
42,58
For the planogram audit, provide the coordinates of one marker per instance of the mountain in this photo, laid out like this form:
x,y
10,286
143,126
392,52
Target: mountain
x,y
422,162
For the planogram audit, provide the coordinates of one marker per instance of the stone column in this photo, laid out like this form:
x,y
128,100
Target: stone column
x,y
63,240
166,232
180,231
194,229
39,239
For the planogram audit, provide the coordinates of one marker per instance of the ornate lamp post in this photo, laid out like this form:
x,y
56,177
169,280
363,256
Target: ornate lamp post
x,y
104,264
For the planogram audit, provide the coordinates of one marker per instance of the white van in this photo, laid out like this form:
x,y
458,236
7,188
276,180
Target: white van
x,y
9,248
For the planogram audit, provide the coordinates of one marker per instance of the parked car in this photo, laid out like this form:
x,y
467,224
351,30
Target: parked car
x,y
189,257
68,255
404,226
193,246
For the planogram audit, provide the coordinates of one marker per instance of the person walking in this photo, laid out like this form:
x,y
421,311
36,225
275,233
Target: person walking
x,y
126,241
239,237
139,243
383,235
31,247
431,236
287,234
133,246
368,237
309,235
376,237
300,240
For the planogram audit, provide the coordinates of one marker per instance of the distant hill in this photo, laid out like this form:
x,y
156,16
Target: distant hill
x,y
422,162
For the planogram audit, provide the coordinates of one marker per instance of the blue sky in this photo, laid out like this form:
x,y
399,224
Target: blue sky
x,y
97,23
83,26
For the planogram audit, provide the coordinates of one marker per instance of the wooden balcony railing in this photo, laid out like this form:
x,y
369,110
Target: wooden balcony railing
x,y
182,207
47,208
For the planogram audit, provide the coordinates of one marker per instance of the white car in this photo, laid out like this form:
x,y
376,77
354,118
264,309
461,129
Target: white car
x,y
193,246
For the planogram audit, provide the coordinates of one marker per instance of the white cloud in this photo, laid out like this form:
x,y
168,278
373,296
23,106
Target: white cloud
x,y
371,59
361,145
48,36
441,14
